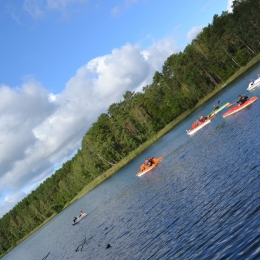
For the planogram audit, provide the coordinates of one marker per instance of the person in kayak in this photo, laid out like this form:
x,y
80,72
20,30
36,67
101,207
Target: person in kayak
x,y
203,118
81,213
148,161
252,81
145,166
75,218
199,121
216,106
242,99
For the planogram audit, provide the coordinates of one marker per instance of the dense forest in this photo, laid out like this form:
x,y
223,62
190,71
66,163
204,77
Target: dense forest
x,y
221,49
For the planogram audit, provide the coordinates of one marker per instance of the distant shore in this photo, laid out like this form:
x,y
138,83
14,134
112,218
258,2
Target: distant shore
x,y
152,140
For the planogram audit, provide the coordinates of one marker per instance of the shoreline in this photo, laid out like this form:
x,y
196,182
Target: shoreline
x,y
144,146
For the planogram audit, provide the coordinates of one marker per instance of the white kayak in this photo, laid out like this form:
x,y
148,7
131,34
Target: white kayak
x,y
252,85
79,218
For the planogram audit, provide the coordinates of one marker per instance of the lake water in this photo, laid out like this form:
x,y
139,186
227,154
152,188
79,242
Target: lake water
x,y
201,202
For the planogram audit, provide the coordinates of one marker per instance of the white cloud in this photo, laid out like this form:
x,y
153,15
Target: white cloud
x,y
130,2
63,4
10,201
192,34
229,8
34,7
116,11
38,8
39,129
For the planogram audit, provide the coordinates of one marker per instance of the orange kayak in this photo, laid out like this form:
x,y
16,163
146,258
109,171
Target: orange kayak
x,y
145,168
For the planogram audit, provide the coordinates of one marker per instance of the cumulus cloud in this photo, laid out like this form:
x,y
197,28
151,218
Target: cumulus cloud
x,y
192,34
39,129
229,8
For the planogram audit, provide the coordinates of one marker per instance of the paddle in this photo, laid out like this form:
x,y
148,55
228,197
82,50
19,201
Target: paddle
x,y
229,105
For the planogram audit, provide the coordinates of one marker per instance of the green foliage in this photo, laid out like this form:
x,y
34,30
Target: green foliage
x,y
230,42
242,56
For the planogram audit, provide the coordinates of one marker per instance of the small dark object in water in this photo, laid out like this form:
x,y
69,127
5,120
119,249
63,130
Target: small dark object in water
x,y
108,245
46,256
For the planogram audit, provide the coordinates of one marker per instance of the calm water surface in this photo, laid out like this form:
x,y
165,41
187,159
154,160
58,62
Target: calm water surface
x,y
201,202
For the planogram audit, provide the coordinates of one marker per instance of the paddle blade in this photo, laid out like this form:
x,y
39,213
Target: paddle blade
x,y
229,105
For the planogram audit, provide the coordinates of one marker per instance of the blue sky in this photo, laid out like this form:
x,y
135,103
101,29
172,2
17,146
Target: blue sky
x,y
63,62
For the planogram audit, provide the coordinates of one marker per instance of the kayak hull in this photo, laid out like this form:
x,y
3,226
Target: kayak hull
x,y
198,127
251,86
240,107
141,173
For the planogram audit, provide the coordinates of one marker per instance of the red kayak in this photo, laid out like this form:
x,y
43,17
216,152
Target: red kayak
x,y
240,107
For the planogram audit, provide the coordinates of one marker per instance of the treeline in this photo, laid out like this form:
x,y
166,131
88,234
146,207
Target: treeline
x,y
230,42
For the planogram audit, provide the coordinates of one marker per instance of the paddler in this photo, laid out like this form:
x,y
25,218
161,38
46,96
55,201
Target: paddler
x,y
81,213
151,160
75,218
203,118
216,106
148,162
242,99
